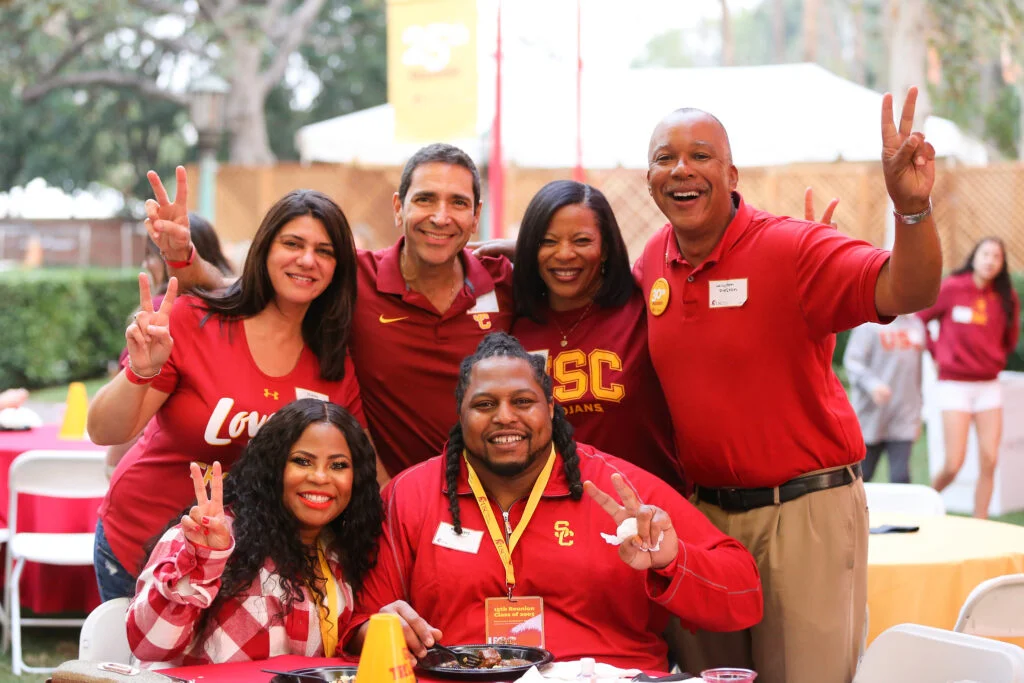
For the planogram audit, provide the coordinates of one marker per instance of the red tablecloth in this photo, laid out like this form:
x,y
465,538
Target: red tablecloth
x,y
249,672
48,588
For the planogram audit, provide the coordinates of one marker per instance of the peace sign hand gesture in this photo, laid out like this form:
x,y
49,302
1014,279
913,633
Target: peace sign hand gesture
x,y
651,522
908,161
167,221
149,334
205,523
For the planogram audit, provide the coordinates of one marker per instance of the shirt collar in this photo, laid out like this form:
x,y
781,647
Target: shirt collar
x,y
733,232
390,280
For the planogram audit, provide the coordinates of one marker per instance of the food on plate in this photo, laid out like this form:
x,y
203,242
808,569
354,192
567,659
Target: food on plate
x,y
492,659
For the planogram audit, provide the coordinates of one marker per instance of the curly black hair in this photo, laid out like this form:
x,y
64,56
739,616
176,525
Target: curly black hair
x,y
264,528
506,346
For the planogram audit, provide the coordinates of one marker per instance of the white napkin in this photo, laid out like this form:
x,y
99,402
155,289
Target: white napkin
x,y
19,418
570,671
627,530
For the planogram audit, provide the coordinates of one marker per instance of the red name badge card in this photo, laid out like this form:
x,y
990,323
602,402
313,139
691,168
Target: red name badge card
x,y
519,621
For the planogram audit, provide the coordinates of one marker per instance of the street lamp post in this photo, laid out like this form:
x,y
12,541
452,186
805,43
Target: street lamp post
x,y
207,97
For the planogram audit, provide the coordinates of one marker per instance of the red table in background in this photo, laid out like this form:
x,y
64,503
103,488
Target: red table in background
x,y
44,588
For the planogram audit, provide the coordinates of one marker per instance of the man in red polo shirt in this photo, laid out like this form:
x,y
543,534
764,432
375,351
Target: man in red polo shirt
x,y
743,308
422,304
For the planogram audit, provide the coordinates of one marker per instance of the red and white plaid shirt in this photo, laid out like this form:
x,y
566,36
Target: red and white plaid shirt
x,y
178,586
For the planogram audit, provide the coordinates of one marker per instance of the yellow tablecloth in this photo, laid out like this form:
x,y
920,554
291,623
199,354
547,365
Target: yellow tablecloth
x,y
924,577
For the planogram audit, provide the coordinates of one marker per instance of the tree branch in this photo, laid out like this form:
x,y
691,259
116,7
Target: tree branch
x,y
110,78
294,33
270,24
159,7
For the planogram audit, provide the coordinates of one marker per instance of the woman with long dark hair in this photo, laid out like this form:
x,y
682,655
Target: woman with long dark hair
x,y
207,369
272,552
979,323
577,303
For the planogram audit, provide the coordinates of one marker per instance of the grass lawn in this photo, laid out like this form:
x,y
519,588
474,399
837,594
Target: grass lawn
x,y
59,394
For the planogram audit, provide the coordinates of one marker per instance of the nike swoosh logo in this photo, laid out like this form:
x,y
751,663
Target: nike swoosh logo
x,y
385,321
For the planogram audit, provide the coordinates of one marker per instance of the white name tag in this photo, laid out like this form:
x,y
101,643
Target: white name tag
x,y
727,293
962,314
488,303
308,393
468,542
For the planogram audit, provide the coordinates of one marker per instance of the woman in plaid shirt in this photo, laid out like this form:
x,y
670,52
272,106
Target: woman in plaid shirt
x,y
267,563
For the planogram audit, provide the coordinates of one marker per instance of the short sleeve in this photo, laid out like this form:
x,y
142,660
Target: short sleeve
x,y
836,277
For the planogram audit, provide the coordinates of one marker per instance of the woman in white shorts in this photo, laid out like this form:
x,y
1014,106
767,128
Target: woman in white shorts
x,y
979,322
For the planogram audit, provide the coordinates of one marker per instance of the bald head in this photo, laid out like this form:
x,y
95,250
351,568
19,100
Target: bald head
x,y
685,117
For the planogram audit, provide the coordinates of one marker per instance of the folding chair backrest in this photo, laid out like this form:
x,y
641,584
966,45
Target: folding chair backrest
x,y
911,499
104,636
923,654
995,608
57,474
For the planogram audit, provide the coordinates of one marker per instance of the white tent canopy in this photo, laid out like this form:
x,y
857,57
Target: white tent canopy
x,y
777,114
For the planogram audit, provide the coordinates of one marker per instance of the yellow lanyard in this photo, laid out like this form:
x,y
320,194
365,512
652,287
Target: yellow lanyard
x,y
328,612
497,536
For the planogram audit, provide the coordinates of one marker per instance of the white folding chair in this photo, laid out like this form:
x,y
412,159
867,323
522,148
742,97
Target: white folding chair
x,y
55,474
995,608
104,637
923,654
911,499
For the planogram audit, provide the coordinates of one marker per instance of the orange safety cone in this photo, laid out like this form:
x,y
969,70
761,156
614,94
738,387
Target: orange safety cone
x,y
385,657
73,428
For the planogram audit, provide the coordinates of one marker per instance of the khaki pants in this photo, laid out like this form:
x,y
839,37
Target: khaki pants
x,y
812,553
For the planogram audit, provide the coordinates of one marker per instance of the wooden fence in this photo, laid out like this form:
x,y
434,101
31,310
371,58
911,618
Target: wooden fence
x,y
970,202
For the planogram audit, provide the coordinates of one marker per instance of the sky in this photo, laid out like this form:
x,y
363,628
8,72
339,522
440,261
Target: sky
x,y
614,33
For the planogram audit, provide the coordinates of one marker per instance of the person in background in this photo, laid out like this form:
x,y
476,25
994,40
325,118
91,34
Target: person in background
x,y
208,247
979,324
268,562
206,370
742,311
883,365
511,456
580,308
13,398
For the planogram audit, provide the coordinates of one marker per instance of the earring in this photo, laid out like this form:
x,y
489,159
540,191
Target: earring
x,y
604,266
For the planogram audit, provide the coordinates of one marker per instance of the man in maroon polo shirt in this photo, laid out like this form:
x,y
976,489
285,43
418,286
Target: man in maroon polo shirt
x,y
743,308
422,304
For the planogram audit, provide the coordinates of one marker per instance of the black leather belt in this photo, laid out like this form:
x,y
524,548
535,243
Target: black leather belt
x,y
729,498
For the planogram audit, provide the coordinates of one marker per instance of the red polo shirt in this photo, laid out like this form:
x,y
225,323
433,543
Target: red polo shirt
x,y
407,355
743,348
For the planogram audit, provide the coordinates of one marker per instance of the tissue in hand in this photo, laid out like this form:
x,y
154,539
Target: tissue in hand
x,y
627,530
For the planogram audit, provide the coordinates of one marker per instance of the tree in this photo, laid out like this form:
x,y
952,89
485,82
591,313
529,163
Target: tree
x,y
95,44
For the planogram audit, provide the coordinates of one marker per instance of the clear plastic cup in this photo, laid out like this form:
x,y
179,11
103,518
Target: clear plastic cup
x,y
728,675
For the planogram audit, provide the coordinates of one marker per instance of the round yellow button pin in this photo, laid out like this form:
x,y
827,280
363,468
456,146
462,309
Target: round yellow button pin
x,y
658,300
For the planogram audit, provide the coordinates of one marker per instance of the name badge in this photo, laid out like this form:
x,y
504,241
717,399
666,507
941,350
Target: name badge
x,y
487,303
467,542
519,621
727,293
963,314
308,393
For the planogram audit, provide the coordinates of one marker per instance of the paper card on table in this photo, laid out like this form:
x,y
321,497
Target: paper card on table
x,y
519,621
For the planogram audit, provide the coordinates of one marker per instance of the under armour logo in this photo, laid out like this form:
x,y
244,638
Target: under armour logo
x,y
267,393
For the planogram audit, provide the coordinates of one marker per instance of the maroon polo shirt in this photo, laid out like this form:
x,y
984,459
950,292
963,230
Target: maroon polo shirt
x,y
407,355
748,376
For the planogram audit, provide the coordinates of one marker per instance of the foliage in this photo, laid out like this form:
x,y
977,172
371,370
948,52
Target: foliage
x,y
59,325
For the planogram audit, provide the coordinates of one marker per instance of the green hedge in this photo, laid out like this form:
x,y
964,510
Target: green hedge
x,y
1015,362
58,325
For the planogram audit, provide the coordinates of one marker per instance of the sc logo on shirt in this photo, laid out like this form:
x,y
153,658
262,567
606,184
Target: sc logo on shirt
x,y
563,533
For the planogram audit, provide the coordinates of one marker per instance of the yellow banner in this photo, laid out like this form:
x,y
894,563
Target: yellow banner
x,y
432,75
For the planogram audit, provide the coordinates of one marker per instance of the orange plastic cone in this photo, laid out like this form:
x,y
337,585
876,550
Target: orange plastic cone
x,y
75,411
385,658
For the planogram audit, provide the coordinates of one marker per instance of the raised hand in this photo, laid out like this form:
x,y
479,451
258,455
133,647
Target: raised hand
x,y
908,161
651,521
205,523
149,334
826,218
167,221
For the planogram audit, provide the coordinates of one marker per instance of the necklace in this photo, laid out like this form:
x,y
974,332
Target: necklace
x,y
565,335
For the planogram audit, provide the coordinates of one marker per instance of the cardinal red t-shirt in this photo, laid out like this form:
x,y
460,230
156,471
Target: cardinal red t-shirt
x,y
218,399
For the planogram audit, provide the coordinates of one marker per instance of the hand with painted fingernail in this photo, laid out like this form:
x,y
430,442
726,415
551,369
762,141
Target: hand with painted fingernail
x,y
205,523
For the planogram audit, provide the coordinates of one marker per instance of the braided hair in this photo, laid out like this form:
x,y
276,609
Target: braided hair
x,y
501,344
